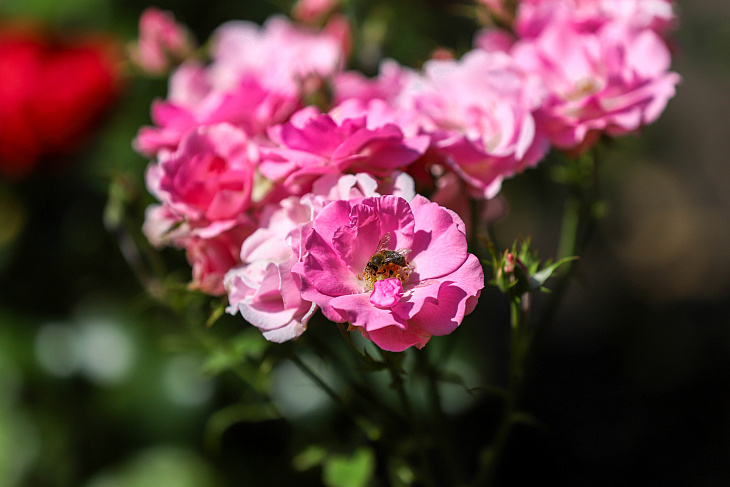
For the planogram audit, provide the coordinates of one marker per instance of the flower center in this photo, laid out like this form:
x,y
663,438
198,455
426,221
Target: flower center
x,y
386,264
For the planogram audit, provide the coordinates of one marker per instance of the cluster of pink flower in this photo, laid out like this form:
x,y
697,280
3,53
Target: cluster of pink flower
x,y
288,209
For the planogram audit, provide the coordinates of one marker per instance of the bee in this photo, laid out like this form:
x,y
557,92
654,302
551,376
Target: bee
x,y
386,263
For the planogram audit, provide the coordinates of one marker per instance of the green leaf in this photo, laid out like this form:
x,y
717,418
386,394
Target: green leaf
x,y
249,344
224,418
355,470
312,456
543,275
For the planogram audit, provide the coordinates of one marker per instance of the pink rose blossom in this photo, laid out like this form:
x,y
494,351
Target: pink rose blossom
x,y
258,77
352,137
613,79
209,179
435,290
211,258
311,11
195,100
589,15
162,42
282,56
480,109
263,288
205,189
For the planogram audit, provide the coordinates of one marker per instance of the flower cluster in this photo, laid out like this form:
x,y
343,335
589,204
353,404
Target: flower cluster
x,y
291,182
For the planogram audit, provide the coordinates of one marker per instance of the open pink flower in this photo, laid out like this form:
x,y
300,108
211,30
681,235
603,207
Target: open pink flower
x,y
209,179
205,188
354,136
258,77
263,289
611,78
481,111
534,15
422,282
196,100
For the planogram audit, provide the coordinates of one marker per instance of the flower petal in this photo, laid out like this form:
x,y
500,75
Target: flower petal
x,y
361,313
439,243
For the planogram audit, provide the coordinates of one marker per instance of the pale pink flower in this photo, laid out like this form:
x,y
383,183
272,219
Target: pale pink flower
x,y
391,80
194,100
588,15
353,137
257,78
480,110
281,55
613,79
263,289
404,307
162,42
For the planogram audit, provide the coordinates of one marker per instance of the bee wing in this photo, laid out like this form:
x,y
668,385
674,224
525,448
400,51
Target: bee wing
x,y
403,252
384,241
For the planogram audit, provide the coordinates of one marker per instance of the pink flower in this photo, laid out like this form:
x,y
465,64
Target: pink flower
x,y
209,179
263,289
311,11
282,56
588,15
480,109
397,271
389,83
195,100
212,257
205,188
611,79
351,137
258,77
162,42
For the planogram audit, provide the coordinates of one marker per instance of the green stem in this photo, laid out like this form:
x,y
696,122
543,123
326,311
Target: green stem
x,y
399,385
520,344
444,440
579,217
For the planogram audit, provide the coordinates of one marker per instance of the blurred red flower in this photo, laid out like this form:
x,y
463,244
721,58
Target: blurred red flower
x,y
52,94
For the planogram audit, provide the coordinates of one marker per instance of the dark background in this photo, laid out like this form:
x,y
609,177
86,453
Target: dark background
x,y
630,384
